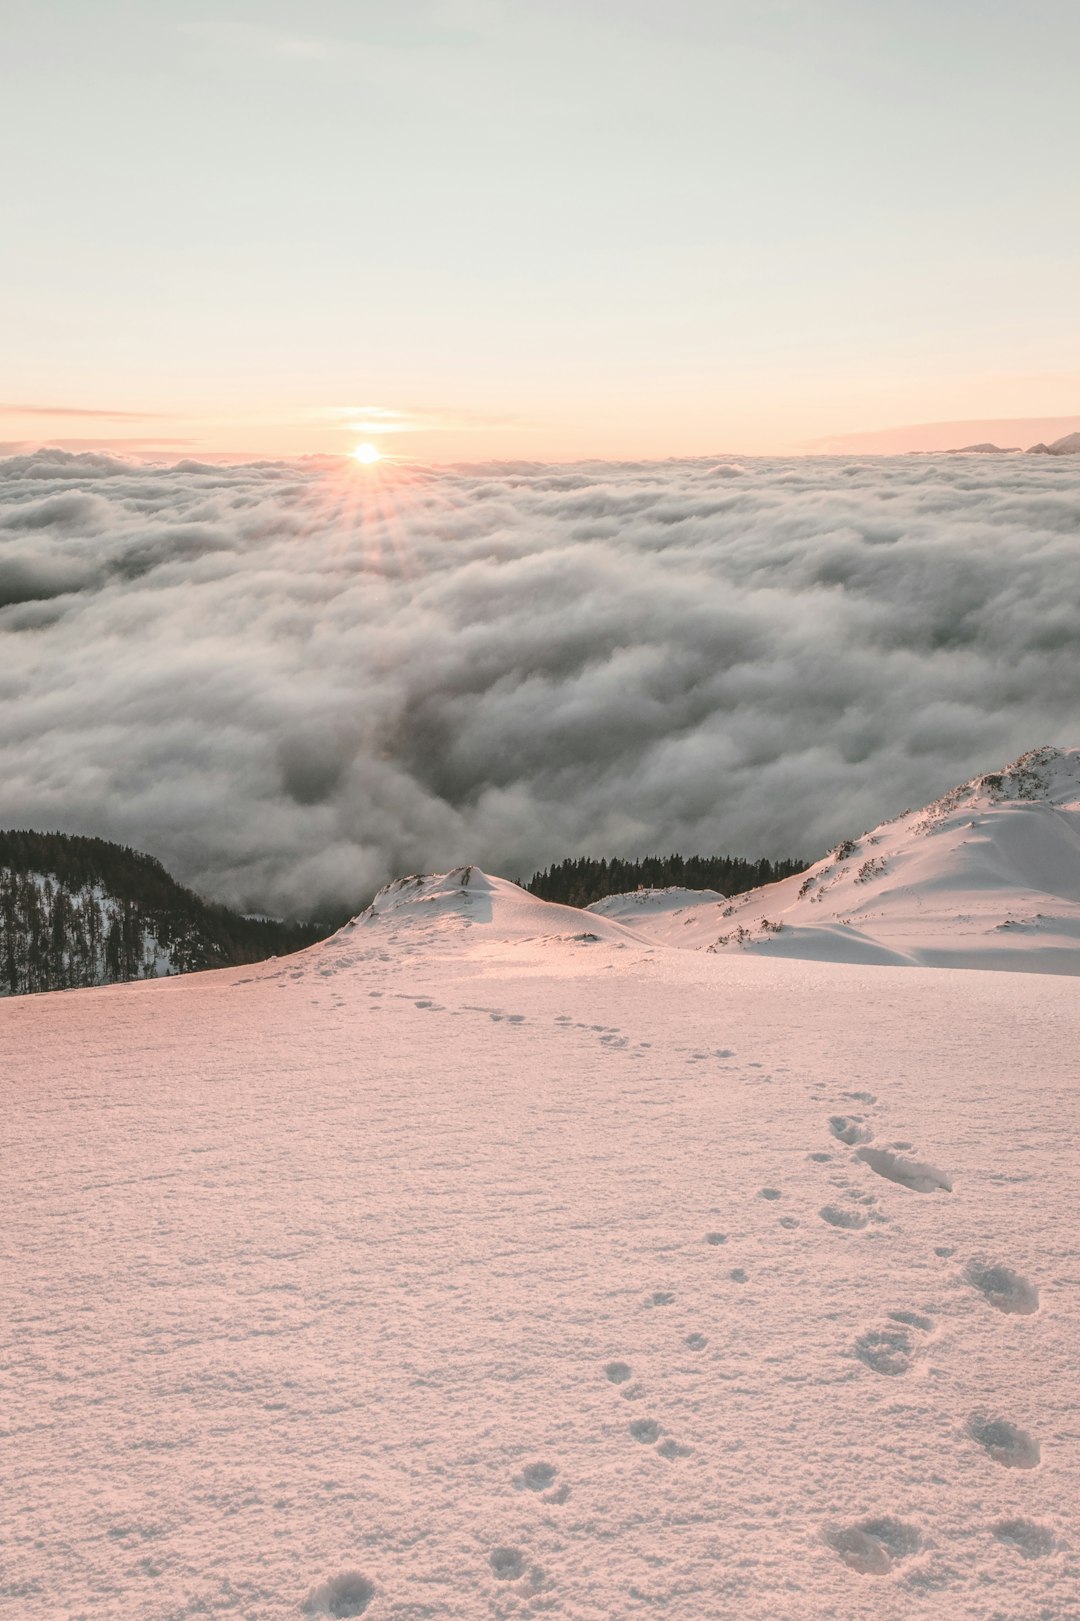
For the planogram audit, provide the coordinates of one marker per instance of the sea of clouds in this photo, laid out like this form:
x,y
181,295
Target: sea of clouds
x,y
292,681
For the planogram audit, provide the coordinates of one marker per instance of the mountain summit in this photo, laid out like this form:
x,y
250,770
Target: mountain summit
x,y
987,876
1068,446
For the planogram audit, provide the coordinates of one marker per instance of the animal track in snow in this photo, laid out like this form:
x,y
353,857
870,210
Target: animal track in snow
x,y
507,1563
915,1174
660,1297
849,1129
536,1477
1034,1541
769,1193
788,1221
737,1275
671,1450
1006,1443
645,1430
913,1319
716,1238
618,1372
1009,1291
891,1351
346,1595
873,1546
696,1342
850,1220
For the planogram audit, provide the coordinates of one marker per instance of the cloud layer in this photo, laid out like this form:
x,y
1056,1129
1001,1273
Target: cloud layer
x,y
292,681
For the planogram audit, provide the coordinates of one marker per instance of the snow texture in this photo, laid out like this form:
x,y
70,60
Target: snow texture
x,y
493,1260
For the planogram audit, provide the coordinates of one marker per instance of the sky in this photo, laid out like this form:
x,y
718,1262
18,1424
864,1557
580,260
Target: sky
x,y
294,681
463,229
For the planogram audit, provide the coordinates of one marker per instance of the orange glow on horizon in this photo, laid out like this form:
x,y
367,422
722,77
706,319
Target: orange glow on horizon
x,y
367,453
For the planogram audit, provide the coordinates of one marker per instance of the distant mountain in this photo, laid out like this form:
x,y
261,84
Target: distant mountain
x,y
1069,446
78,911
984,450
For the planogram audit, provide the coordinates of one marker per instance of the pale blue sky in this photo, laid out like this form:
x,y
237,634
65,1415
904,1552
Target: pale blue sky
x,y
547,229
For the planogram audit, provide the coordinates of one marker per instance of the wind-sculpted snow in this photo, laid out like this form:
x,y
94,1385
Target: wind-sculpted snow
x,y
293,681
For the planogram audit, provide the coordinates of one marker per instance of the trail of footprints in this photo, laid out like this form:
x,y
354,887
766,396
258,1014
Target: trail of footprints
x,y
874,1546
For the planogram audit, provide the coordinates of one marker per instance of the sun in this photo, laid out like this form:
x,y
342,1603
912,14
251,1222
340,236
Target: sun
x,y
367,453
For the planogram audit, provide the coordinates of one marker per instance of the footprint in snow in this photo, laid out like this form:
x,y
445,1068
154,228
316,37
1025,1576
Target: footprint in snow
x,y
769,1193
508,1564
891,1351
660,1297
696,1342
849,1129
850,1220
1009,1291
346,1595
671,1450
645,1430
618,1372
737,1275
1028,1537
1006,1443
918,1175
874,1546
536,1477
716,1238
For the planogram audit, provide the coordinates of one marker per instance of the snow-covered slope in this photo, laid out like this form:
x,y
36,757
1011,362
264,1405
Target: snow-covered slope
x,y
986,877
426,909
665,913
463,1267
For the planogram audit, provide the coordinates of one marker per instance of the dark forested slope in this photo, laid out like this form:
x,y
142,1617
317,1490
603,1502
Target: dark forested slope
x,y
77,911
579,883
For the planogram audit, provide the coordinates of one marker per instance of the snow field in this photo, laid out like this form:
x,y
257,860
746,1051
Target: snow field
x,y
447,1271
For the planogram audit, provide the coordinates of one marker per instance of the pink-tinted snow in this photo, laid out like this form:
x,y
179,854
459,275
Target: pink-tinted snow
x,y
486,1261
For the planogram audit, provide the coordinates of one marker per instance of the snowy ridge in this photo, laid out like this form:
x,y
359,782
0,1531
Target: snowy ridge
x,y
465,909
987,876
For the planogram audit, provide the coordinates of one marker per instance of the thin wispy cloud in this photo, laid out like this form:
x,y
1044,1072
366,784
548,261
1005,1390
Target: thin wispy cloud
x,y
291,683
8,409
377,419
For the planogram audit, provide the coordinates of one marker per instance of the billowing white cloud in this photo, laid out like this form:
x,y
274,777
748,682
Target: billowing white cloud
x,y
291,681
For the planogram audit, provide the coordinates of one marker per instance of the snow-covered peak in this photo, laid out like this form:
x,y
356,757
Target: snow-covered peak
x,y
1067,446
986,876
1045,774
463,892
434,906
